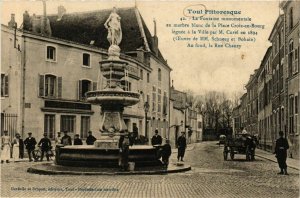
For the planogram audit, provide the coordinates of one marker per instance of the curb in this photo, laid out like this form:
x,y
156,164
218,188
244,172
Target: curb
x,y
276,161
51,172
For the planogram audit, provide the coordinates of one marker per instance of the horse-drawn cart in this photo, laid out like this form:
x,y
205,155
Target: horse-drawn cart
x,y
240,144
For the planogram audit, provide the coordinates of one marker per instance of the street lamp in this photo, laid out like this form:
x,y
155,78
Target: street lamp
x,y
146,109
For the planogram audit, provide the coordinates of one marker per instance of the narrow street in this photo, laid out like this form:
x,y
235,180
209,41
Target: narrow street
x,y
210,176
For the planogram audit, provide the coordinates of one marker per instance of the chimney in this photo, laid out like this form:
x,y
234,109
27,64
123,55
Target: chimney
x,y
45,23
155,40
27,25
12,23
61,10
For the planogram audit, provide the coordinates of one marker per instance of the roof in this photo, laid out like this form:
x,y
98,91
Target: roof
x,y
89,26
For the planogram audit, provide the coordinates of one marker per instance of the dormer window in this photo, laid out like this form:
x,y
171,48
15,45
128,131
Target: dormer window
x,y
51,53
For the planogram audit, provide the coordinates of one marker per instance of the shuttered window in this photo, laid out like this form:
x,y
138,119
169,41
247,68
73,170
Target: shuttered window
x,y
50,86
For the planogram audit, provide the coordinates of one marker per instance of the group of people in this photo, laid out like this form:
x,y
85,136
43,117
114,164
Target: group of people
x,y
166,148
17,145
7,145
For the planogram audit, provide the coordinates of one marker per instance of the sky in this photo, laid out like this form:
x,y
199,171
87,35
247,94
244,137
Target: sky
x,y
196,69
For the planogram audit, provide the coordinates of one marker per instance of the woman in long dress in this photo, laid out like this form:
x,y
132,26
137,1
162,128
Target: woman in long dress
x,y
16,149
5,147
114,28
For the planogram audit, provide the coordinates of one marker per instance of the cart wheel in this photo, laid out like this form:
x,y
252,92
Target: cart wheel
x,y
232,155
225,153
247,157
37,155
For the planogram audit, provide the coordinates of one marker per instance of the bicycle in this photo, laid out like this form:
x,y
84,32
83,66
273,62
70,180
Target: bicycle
x,y
38,153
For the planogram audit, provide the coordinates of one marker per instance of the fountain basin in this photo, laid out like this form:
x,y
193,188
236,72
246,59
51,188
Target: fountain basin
x,y
111,97
91,156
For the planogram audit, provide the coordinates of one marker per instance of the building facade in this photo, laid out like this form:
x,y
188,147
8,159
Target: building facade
x,y
278,83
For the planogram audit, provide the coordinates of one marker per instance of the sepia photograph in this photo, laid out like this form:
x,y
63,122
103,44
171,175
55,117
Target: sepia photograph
x,y
150,98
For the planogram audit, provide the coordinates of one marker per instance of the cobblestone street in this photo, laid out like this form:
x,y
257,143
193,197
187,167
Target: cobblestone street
x,y
210,176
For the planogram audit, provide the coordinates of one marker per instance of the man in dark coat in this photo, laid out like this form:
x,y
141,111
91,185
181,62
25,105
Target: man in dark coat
x,y
181,143
21,148
45,145
90,138
156,139
281,148
124,151
66,139
30,143
166,153
77,140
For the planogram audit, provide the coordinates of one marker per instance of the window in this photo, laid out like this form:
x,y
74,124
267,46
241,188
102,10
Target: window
x,y
290,58
165,105
282,37
86,60
296,105
50,86
199,125
148,77
49,125
85,126
84,86
296,62
67,123
141,74
291,19
291,114
51,53
158,100
159,74
4,85
153,99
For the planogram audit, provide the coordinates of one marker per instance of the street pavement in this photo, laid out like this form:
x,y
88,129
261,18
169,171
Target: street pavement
x,y
210,176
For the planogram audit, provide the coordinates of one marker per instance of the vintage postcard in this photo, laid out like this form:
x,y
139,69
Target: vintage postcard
x,y
150,98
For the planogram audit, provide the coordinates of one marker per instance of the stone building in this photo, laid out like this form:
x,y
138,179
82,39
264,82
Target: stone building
x,y
252,100
291,20
53,60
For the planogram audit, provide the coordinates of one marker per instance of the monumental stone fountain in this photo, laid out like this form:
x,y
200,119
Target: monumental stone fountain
x,y
112,99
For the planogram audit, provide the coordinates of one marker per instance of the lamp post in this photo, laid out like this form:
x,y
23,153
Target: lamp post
x,y
146,109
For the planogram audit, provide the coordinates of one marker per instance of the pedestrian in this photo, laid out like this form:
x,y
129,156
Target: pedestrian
x,y
5,147
30,143
45,145
181,143
90,138
124,151
166,153
16,148
281,148
21,147
77,140
66,139
156,139
58,138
